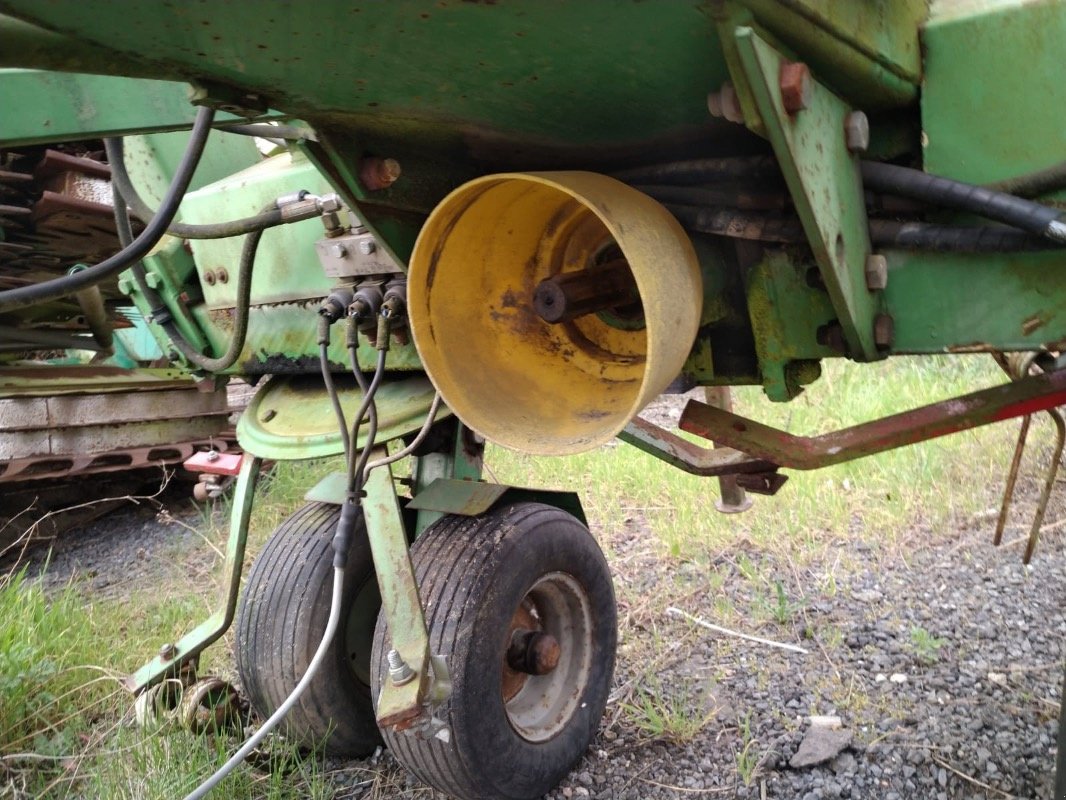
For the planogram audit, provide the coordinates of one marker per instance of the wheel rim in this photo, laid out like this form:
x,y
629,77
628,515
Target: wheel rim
x,y
359,629
540,706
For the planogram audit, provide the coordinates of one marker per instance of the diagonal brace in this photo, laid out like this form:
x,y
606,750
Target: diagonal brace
x,y
1015,399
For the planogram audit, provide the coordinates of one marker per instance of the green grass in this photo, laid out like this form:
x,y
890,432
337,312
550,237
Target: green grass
x,y
66,725
877,499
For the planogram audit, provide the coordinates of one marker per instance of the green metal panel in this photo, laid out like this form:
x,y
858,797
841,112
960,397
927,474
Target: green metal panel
x,y
960,303
42,107
823,179
471,498
786,313
292,417
868,49
498,67
993,95
286,266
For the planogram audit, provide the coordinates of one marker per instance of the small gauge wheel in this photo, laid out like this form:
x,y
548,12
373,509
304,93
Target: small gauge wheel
x,y
519,602
282,616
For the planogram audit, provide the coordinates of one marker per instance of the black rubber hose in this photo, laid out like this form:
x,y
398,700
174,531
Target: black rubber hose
x,y
1015,211
1043,181
268,218
240,321
703,197
737,225
331,390
883,233
355,470
703,170
57,288
950,239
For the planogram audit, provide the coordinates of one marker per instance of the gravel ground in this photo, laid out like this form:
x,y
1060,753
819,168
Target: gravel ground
x,y
943,664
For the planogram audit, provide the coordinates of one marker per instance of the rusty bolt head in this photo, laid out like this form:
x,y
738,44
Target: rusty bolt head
x,y
856,132
884,331
725,103
796,86
832,336
209,277
167,651
221,275
379,173
876,272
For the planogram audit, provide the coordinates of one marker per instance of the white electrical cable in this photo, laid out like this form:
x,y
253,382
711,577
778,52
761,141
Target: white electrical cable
x,y
327,638
381,462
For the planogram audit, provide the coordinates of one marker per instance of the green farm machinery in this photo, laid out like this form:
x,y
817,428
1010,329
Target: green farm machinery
x,y
418,226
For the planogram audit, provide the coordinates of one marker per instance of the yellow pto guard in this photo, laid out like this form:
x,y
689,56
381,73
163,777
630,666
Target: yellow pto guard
x,y
632,284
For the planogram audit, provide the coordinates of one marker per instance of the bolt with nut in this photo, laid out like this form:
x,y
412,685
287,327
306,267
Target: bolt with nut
x,y
399,671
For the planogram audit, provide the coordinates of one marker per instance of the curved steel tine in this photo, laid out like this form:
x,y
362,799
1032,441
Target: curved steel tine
x,y
1012,479
1049,483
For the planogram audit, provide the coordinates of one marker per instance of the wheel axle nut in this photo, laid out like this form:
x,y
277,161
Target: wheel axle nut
x,y
533,652
797,88
856,132
399,671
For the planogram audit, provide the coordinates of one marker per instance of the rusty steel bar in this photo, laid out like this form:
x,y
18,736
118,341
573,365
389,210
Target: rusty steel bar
x,y
1026,396
687,456
570,295
733,500
1012,479
1049,484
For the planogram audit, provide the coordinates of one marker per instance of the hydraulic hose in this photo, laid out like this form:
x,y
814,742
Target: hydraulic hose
x,y
431,415
57,288
1015,211
703,170
1042,181
356,468
341,544
253,741
883,233
268,218
240,320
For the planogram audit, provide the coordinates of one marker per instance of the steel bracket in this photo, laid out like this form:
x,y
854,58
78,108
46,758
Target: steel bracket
x,y
172,656
823,179
1019,398
687,456
403,705
471,498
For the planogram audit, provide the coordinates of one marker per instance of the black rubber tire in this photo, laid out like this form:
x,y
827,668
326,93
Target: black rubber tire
x,y
473,573
282,617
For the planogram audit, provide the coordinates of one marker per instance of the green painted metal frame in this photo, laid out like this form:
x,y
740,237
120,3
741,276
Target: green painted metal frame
x,y
462,460
193,643
400,705
64,107
823,179
471,498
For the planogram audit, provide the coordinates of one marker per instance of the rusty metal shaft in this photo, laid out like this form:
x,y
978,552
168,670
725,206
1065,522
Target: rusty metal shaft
x,y
570,295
